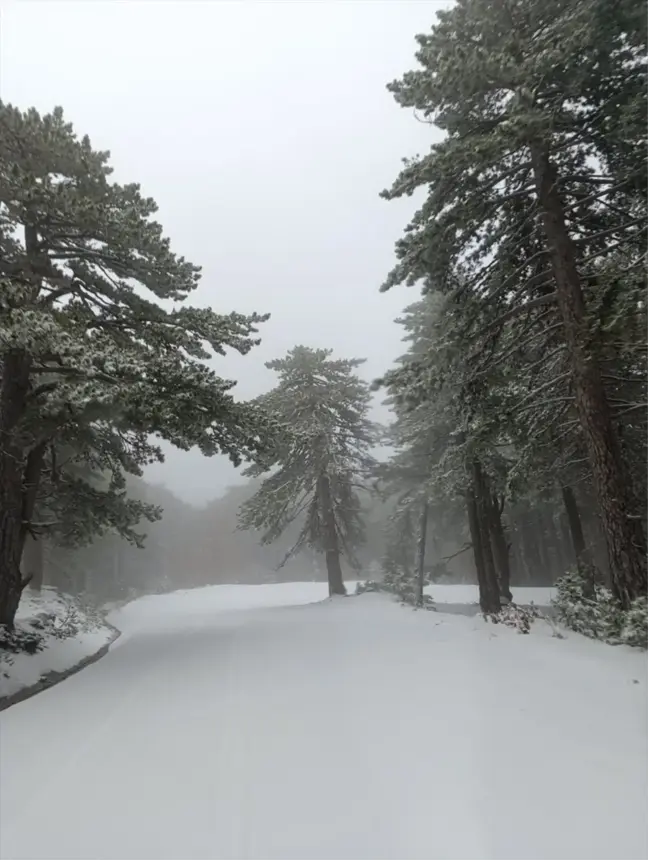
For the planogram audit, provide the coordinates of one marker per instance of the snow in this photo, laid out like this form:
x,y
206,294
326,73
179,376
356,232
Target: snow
x,y
18,671
265,722
469,594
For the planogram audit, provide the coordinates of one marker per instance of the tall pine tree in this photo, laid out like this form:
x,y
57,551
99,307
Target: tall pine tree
x,y
95,345
322,461
539,183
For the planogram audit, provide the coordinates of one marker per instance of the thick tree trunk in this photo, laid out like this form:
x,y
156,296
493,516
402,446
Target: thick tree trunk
x,y
420,554
500,548
489,597
623,529
331,545
13,398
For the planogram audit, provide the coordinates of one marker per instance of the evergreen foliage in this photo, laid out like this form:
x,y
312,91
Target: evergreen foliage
x,y
531,238
600,616
323,458
519,419
97,350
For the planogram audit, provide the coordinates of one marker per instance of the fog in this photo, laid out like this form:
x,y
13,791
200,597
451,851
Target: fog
x,y
265,133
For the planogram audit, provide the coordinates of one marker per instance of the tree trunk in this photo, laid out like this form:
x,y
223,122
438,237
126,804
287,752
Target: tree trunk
x,y
565,540
476,541
420,554
500,548
623,530
489,598
575,525
331,545
13,399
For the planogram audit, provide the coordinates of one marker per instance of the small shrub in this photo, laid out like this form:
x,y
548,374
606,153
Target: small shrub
x,y
30,634
399,588
610,616
601,616
634,631
518,617
368,585
573,609
19,641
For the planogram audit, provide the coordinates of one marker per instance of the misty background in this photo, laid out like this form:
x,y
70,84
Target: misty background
x,y
265,132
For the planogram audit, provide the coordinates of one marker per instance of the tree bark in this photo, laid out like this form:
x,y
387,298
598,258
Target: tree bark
x,y
420,554
476,540
623,529
331,544
489,598
500,548
14,388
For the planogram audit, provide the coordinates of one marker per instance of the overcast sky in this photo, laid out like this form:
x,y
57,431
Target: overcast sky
x,y
265,133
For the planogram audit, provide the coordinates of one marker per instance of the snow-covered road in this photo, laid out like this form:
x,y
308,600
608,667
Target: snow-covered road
x,y
226,723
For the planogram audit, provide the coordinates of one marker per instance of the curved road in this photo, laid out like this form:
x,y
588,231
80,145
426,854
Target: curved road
x,y
344,730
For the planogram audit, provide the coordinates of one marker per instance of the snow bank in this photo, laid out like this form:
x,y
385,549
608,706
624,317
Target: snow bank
x,y
69,636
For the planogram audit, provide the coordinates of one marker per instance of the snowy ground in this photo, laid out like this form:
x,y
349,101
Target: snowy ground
x,y
59,654
242,722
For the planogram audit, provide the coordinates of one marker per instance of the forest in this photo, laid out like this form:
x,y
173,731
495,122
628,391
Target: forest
x,y
516,449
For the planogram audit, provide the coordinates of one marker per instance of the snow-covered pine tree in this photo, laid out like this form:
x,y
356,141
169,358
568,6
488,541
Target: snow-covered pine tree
x,y
416,442
538,185
94,339
403,563
441,441
83,495
322,462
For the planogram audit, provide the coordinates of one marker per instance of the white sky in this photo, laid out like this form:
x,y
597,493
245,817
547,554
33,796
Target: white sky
x,y
265,133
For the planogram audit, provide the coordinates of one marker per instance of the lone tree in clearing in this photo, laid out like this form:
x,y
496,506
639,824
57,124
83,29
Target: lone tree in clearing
x,y
322,460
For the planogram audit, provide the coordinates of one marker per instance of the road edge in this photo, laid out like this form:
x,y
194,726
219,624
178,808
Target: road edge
x,y
50,679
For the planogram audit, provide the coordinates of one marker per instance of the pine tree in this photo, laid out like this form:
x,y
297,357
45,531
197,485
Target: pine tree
x,y
87,347
398,562
441,440
322,461
79,500
539,184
